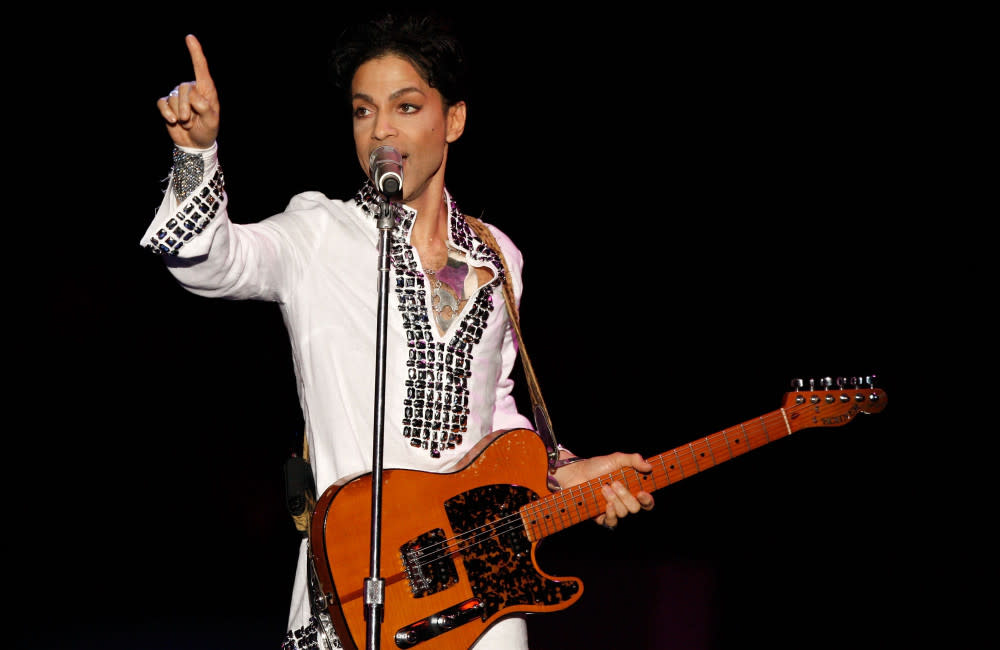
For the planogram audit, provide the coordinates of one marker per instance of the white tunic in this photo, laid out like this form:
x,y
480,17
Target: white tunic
x,y
318,261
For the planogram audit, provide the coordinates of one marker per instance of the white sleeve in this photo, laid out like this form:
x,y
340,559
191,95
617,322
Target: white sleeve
x,y
211,256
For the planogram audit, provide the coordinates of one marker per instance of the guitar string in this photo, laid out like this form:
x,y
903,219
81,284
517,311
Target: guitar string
x,y
490,529
512,522
509,523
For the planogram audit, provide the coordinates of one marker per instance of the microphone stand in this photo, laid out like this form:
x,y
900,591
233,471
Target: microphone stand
x,y
374,587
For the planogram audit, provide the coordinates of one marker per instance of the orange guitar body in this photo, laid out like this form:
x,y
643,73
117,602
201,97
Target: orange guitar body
x,y
455,556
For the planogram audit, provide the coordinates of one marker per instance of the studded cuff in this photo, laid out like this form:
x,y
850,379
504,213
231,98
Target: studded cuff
x,y
197,203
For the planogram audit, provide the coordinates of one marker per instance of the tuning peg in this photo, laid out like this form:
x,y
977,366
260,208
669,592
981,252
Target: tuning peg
x,y
870,380
827,383
797,384
840,382
812,384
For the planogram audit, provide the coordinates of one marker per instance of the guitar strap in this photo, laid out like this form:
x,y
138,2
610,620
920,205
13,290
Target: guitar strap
x,y
540,413
300,489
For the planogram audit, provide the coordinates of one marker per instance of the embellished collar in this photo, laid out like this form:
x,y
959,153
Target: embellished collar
x,y
435,408
460,234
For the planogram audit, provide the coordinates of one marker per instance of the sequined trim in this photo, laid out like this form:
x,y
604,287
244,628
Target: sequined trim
x,y
436,402
188,172
191,218
312,636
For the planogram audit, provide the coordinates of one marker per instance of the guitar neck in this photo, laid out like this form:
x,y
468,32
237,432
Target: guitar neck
x,y
583,502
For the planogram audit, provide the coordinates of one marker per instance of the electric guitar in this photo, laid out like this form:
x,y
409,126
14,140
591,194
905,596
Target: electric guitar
x,y
458,549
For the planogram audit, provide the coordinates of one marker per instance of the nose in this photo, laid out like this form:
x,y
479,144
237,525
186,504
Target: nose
x,y
384,126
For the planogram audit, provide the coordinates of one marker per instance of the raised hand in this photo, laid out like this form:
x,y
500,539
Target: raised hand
x,y
191,110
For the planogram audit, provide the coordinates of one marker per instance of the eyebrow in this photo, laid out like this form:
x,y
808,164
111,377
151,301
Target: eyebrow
x,y
395,95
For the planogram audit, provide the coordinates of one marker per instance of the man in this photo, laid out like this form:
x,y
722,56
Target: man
x,y
450,346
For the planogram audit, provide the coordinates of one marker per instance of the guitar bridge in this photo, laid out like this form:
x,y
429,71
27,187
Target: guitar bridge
x,y
428,563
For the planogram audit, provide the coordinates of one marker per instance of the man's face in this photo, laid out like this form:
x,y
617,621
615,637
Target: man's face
x,y
393,105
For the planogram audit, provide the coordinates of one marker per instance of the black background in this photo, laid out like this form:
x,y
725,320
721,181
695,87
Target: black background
x,y
709,204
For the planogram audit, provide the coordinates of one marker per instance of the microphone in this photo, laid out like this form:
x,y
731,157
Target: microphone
x,y
386,165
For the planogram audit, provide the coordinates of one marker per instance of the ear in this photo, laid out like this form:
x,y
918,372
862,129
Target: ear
x,y
456,121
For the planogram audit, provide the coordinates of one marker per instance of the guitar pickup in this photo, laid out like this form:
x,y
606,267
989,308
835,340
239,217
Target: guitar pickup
x,y
439,623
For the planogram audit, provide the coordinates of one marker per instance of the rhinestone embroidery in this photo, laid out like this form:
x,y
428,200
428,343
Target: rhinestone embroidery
x,y
307,637
188,172
191,218
436,402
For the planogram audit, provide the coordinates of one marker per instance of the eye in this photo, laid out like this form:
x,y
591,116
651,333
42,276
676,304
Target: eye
x,y
361,111
408,108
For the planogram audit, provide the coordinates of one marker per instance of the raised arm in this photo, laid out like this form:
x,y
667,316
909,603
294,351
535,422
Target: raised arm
x,y
191,110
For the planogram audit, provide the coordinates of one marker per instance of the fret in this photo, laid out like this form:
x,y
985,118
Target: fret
x,y
624,479
573,505
697,468
728,446
573,499
578,501
651,477
565,519
546,517
679,466
737,442
663,467
529,513
593,497
708,442
529,530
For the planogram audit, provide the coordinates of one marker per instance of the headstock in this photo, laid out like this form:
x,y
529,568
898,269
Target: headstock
x,y
834,402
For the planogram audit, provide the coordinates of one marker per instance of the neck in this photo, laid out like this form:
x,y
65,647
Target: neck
x,y
431,223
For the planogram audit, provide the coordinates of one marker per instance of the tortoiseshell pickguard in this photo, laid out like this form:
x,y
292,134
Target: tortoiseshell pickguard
x,y
496,551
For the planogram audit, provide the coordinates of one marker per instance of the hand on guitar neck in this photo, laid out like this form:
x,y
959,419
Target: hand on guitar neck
x,y
620,500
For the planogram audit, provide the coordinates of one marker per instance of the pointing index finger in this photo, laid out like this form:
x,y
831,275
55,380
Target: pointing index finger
x,y
198,60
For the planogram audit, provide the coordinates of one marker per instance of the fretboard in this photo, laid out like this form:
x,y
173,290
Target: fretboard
x,y
582,502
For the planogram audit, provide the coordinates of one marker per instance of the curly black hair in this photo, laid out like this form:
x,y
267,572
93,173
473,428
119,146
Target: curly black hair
x,y
428,41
